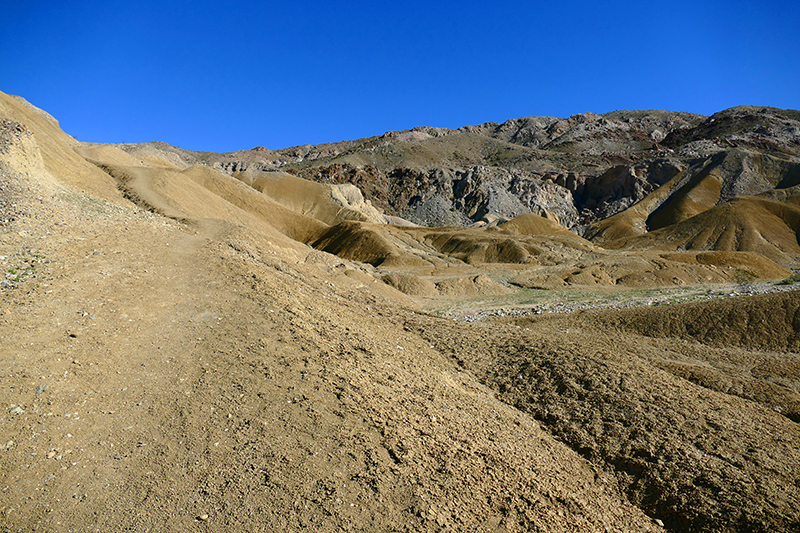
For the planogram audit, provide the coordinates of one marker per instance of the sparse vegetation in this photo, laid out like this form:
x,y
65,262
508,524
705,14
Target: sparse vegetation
x,y
794,278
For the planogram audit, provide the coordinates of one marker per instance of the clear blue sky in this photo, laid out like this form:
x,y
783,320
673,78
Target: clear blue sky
x,y
223,76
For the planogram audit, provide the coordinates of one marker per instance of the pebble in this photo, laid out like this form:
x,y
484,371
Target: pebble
x,y
658,522
41,388
203,517
17,410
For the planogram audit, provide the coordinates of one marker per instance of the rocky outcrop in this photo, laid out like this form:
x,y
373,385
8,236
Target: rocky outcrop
x,y
581,169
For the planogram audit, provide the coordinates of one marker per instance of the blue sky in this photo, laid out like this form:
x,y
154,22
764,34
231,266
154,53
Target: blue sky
x,y
223,76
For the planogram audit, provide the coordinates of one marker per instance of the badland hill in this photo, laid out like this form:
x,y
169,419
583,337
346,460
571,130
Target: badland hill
x,y
363,336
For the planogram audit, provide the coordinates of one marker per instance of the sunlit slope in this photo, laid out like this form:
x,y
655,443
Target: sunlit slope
x,y
44,150
750,224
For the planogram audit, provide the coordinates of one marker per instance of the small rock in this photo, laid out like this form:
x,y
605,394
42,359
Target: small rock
x,y
41,388
17,410
9,444
658,522
51,454
203,517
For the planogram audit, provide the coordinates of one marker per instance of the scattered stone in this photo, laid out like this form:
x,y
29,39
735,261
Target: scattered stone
x,y
17,411
40,388
658,522
202,517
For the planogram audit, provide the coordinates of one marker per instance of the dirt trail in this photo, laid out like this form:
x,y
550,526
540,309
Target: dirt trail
x,y
169,381
181,364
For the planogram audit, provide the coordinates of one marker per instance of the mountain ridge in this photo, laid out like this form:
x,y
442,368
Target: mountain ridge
x,y
583,170
185,347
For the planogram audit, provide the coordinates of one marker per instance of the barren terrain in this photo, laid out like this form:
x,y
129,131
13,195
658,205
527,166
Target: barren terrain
x,y
189,346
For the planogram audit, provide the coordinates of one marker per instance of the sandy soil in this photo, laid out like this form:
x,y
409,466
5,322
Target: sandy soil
x,y
173,361
161,376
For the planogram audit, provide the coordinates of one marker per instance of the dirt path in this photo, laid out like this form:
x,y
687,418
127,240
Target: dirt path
x,y
205,372
157,379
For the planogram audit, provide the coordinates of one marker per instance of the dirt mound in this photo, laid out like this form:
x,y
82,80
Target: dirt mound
x,y
768,322
47,145
115,155
367,243
751,224
700,194
684,452
745,265
531,224
471,286
410,284
473,248
330,204
205,199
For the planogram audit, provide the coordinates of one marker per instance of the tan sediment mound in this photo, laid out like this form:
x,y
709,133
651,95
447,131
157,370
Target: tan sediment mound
x,y
477,246
113,154
751,224
647,269
410,284
330,204
368,243
700,194
480,285
684,268
633,221
158,154
684,448
200,192
751,263
401,246
296,226
46,141
532,224
764,322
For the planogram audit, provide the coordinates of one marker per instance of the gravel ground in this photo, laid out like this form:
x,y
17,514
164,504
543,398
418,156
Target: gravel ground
x,y
591,302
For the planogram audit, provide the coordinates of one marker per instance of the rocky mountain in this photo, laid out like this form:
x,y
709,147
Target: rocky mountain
x,y
582,169
198,341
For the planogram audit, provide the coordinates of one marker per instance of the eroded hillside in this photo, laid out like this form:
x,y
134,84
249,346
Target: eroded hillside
x,y
194,346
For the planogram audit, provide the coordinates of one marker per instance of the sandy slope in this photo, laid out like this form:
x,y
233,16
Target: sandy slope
x,y
192,375
173,361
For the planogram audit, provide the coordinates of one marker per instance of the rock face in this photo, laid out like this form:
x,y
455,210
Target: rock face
x,y
582,169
